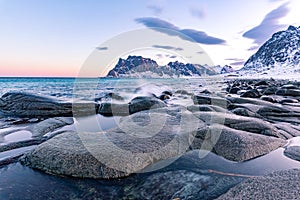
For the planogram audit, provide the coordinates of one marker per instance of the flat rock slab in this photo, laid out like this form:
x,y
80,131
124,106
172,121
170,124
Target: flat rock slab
x,y
140,140
277,185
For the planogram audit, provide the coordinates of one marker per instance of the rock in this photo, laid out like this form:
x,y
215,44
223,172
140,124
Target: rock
x,y
277,185
245,112
293,152
140,140
234,90
169,93
183,92
208,108
217,101
248,124
164,97
49,125
270,91
110,96
237,145
288,92
289,87
113,109
206,91
182,184
33,106
241,100
288,100
261,83
251,94
145,103
268,98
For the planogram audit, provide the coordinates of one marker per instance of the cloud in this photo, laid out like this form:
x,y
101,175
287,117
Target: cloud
x,y
235,59
200,52
193,35
173,57
238,63
157,10
198,12
253,48
102,48
168,47
268,26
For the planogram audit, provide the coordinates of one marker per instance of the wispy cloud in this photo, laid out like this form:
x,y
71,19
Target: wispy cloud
x,y
102,48
192,34
268,26
168,47
238,63
157,10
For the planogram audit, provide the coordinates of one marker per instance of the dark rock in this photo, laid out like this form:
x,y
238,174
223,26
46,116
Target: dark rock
x,y
112,109
251,94
183,92
145,103
234,90
110,96
261,83
217,101
206,91
169,93
268,98
288,100
164,97
288,92
277,185
289,87
270,91
207,108
293,152
33,106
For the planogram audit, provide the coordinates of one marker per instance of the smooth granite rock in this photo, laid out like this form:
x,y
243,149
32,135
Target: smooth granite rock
x,y
293,152
278,185
234,144
139,141
145,103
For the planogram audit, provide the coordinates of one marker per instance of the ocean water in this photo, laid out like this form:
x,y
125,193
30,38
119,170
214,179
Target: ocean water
x,y
89,88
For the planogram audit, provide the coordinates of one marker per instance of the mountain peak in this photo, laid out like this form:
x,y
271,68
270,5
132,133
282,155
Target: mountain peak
x,y
280,54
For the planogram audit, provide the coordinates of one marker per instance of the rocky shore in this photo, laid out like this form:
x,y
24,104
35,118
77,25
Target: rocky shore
x,y
249,119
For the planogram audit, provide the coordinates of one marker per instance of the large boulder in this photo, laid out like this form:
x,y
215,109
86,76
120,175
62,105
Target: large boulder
x,y
113,109
234,144
21,104
140,140
293,152
277,185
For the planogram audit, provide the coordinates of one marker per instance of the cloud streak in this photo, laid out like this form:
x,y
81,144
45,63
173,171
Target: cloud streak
x,y
268,26
168,47
157,10
186,34
102,48
198,12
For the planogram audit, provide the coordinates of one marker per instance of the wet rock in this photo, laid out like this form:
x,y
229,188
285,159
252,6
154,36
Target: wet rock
x,y
182,184
167,92
270,91
164,97
207,108
241,100
237,145
145,103
49,125
277,185
263,82
234,90
110,96
293,152
288,92
268,98
251,94
203,99
288,100
183,92
289,87
140,140
33,106
248,124
113,109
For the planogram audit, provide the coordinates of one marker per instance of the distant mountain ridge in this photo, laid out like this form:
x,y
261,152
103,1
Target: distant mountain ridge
x,y
279,55
139,67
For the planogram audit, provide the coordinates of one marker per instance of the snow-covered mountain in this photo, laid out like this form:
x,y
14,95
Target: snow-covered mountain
x,y
280,55
139,67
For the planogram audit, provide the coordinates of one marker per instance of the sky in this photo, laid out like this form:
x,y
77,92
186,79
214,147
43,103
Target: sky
x,y
57,37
